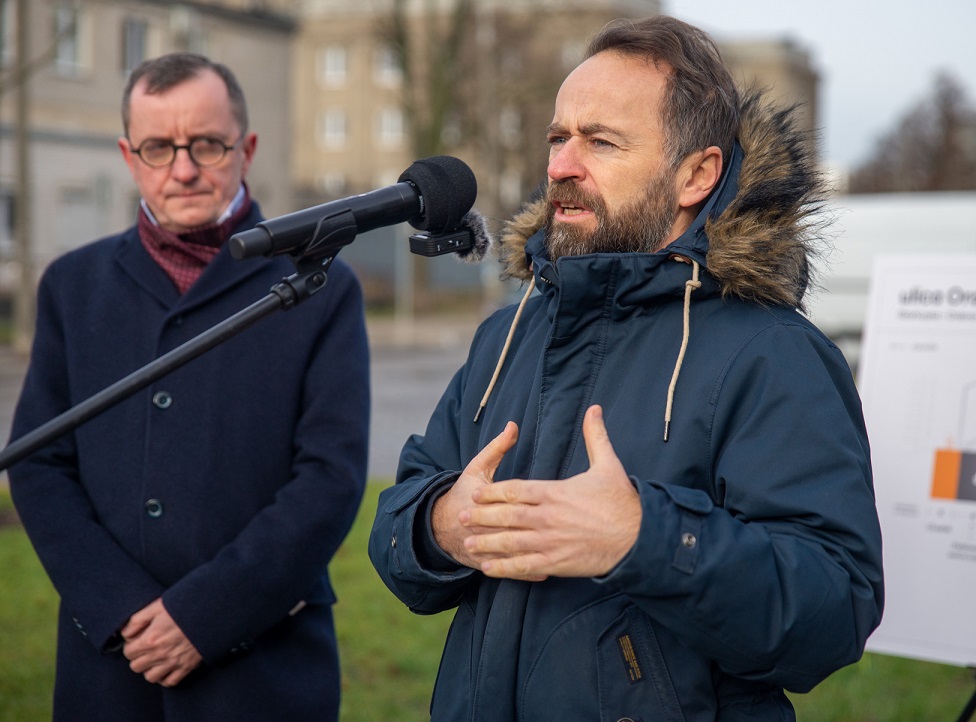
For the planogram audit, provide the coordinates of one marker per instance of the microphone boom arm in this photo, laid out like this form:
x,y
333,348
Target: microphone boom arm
x,y
284,295
312,238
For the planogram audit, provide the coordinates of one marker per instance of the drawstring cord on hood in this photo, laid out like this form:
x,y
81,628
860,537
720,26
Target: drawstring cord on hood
x,y
504,353
690,286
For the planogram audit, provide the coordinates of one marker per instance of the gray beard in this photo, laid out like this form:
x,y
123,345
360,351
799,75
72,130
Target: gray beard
x,y
642,226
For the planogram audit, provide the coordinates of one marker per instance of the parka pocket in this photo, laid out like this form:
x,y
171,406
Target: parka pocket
x,y
604,662
634,682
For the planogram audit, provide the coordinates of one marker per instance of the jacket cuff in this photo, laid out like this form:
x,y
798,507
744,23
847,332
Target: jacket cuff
x,y
669,537
429,552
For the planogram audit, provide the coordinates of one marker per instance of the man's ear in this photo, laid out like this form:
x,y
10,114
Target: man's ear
x,y
127,154
698,175
249,144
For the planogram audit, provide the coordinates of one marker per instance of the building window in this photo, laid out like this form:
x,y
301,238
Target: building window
x,y
9,256
331,66
187,30
135,41
572,53
332,128
452,132
198,42
8,248
78,216
510,64
389,127
70,40
387,177
386,67
332,184
510,126
8,16
510,188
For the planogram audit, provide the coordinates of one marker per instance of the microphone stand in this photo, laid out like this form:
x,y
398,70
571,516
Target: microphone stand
x,y
290,291
312,261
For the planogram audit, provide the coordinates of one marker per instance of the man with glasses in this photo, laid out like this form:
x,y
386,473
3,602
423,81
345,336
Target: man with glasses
x,y
188,529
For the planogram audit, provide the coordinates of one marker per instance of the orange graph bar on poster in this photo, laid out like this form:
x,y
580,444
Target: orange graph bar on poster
x,y
945,476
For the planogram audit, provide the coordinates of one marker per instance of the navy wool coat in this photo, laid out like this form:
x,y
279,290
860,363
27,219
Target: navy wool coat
x,y
224,488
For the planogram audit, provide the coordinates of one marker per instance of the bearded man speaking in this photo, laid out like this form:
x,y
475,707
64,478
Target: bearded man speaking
x,y
648,492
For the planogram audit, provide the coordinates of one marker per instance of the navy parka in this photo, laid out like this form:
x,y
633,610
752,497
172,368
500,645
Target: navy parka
x,y
758,563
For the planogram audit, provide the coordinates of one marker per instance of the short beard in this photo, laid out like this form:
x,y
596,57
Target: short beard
x,y
642,226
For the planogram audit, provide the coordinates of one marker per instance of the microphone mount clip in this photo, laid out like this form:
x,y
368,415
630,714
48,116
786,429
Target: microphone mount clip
x,y
437,244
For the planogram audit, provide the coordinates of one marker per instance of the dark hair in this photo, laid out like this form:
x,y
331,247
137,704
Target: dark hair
x,y
168,71
701,102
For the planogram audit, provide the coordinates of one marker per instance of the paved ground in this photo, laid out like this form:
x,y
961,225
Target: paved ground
x,y
409,370
411,364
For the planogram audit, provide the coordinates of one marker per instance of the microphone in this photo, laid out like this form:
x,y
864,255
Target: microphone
x,y
434,194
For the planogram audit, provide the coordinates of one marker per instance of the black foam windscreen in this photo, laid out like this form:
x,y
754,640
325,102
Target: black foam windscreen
x,y
448,188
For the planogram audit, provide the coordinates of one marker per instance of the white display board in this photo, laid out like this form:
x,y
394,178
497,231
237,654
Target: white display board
x,y
918,385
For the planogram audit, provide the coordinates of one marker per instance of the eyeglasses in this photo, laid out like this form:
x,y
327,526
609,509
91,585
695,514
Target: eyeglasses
x,y
157,153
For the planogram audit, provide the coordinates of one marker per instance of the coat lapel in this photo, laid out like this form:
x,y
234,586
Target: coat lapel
x,y
220,274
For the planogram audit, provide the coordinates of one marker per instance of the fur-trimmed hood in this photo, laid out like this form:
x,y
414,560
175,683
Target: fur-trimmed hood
x,y
759,230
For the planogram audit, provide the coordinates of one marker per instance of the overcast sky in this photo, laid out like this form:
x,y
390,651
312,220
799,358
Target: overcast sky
x,y
876,59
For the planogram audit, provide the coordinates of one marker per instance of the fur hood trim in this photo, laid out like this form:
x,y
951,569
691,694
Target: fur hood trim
x,y
759,244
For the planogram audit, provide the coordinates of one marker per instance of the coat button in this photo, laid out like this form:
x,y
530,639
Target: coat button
x,y
79,626
154,508
162,400
689,540
242,648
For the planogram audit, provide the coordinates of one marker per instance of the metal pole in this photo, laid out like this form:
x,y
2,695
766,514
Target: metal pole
x,y
24,299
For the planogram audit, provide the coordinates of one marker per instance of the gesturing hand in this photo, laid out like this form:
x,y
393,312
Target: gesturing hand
x,y
157,648
480,472
579,527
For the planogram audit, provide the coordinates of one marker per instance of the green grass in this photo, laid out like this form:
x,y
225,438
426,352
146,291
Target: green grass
x,y
28,616
881,688
390,656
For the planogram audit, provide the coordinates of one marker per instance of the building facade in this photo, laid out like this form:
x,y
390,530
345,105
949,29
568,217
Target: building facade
x,y
378,85
354,129
367,86
782,68
343,95
59,152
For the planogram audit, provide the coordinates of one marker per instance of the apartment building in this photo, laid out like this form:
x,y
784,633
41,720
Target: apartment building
x,y
354,129
79,53
370,98
784,69
328,97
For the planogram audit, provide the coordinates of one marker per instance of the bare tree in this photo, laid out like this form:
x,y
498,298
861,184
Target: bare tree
x,y
17,78
428,48
932,148
478,81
